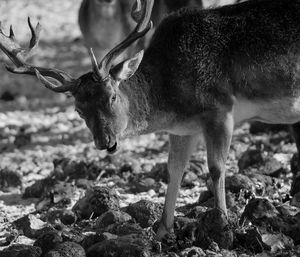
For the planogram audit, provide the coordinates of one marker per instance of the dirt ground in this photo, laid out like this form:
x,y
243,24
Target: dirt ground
x,y
41,136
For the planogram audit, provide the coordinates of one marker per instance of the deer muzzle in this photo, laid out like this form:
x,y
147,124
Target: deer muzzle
x,y
109,143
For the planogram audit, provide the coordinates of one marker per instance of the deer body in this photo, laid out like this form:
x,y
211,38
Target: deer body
x,y
204,72
206,60
207,70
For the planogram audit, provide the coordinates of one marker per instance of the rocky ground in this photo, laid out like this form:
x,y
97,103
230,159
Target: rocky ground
x,y
59,196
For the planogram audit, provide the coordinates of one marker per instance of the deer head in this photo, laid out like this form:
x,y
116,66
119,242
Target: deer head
x,y
98,99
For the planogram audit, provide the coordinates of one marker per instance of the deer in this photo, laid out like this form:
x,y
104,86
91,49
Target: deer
x,y
204,72
103,23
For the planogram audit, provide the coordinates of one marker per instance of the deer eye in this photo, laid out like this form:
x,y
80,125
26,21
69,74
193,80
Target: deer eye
x,y
113,98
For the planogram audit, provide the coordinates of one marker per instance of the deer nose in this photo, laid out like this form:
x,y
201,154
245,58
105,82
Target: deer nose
x,y
101,143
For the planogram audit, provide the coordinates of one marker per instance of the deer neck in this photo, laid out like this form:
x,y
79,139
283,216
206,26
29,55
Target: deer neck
x,y
142,92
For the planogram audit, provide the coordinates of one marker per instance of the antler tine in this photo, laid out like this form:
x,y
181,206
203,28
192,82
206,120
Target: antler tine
x,y
19,55
143,26
35,34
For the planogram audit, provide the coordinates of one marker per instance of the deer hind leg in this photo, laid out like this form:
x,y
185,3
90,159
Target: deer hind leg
x,y
180,150
218,134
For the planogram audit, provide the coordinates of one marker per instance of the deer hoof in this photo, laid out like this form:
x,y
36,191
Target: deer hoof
x,y
163,231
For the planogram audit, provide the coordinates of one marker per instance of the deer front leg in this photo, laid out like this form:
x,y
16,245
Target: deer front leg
x,y
180,150
218,134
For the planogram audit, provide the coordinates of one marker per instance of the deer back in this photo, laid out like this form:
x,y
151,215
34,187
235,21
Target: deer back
x,y
208,57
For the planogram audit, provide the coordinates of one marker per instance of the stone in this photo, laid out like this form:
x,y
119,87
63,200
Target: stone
x,y
160,172
38,188
239,182
112,217
258,209
20,250
10,179
67,249
295,188
251,239
213,226
192,252
31,226
96,201
277,241
67,217
273,168
48,241
144,212
189,179
143,185
125,246
250,158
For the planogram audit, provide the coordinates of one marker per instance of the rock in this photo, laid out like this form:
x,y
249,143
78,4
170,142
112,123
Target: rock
x,y
257,127
108,236
262,182
143,185
230,201
295,188
76,169
91,239
38,188
263,214
61,194
277,241
251,239
72,234
204,196
259,209
67,217
185,230
196,212
144,212
83,183
22,138
294,164
229,253
7,235
7,96
189,179
67,249
20,250
125,246
112,217
96,201
273,167
130,165
160,172
239,182
250,158
214,226
287,210
48,241
296,200
9,179
73,169
123,229
192,252
31,226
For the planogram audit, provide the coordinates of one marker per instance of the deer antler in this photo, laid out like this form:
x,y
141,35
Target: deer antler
x,y
19,55
143,26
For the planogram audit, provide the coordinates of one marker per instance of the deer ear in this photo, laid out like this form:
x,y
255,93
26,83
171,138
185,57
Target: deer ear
x,y
127,68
